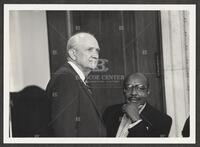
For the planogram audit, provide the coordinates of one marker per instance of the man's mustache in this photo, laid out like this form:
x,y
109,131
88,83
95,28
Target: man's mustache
x,y
93,59
134,98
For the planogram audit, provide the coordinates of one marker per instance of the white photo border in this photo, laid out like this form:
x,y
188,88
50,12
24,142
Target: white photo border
x,y
82,7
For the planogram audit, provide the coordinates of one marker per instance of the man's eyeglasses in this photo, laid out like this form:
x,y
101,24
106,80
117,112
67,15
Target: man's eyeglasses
x,y
137,88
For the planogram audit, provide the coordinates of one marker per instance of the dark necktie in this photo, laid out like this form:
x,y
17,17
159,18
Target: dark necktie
x,y
87,86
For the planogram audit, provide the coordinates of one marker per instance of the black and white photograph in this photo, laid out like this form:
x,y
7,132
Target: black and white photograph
x,y
99,73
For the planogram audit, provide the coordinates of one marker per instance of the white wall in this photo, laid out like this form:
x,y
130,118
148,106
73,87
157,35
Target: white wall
x,y
29,55
176,70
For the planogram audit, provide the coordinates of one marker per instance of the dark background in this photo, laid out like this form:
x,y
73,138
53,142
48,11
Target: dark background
x,y
129,40
197,2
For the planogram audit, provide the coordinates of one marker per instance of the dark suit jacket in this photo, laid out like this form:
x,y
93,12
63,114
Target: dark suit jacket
x,y
73,110
186,128
153,124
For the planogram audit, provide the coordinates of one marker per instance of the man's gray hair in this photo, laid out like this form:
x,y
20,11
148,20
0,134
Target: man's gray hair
x,y
73,40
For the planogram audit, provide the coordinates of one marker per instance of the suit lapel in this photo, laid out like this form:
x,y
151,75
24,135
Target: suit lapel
x,y
146,114
120,115
83,86
90,96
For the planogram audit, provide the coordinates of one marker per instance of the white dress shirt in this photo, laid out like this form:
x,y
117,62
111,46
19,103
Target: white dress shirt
x,y
126,124
78,71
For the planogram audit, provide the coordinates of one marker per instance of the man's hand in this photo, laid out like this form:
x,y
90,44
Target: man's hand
x,y
132,110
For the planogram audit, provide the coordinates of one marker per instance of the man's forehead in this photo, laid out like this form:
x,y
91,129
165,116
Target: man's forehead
x,y
88,43
135,80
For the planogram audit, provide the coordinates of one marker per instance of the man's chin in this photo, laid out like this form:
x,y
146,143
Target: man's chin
x,y
93,67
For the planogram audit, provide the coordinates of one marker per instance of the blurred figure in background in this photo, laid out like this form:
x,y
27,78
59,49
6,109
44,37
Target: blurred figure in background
x,y
186,128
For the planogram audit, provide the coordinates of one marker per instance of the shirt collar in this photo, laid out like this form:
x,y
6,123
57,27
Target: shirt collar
x,y
79,72
142,107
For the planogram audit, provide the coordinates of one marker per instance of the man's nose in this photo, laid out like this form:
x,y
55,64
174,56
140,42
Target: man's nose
x,y
95,54
134,91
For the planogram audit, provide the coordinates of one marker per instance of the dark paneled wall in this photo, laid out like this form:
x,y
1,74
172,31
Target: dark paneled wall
x,y
129,42
57,29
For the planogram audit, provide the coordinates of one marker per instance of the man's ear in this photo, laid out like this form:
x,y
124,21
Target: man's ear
x,y
124,91
148,92
72,53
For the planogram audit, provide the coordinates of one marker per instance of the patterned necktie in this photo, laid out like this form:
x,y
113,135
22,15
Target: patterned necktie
x,y
88,87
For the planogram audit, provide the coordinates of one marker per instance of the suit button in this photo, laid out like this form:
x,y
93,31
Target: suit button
x,y
78,118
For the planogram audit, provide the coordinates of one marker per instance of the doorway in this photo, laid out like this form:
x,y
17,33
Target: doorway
x,y
130,41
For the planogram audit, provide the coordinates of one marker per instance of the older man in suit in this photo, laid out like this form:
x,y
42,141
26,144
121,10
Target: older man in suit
x,y
135,117
73,109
